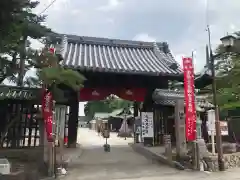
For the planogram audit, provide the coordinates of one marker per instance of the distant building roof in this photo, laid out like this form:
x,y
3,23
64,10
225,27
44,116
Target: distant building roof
x,y
116,113
118,56
83,118
168,98
101,115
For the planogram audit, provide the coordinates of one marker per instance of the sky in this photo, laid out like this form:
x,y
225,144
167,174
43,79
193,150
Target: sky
x,y
181,23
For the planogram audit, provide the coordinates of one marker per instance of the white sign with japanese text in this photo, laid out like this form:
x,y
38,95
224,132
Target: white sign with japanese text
x,y
147,124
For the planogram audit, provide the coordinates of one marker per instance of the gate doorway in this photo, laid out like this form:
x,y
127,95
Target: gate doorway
x,y
132,70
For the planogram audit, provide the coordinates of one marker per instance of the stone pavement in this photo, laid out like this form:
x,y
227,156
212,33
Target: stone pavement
x,y
123,163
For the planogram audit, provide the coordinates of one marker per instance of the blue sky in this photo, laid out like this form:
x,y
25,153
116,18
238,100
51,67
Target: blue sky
x,y
181,23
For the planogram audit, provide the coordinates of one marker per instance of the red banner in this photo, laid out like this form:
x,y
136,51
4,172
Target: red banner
x,y
189,93
47,109
96,94
132,94
47,105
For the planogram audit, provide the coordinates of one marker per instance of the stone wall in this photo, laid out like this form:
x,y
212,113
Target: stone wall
x,y
231,161
26,154
26,164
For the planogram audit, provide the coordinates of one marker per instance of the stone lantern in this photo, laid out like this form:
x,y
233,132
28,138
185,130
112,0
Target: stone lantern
x,y
199,122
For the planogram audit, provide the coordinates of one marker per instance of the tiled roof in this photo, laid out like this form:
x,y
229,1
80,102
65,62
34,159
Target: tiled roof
x,y
120,56
99,115
20,93
168,97
122,112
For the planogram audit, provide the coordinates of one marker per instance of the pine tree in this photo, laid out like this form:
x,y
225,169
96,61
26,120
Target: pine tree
x,y
50,73
18,23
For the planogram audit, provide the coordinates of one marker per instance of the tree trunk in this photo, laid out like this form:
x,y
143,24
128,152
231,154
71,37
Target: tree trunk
x,y
22,61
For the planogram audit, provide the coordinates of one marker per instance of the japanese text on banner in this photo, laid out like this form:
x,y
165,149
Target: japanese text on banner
x,y
147,124
189,93
47,105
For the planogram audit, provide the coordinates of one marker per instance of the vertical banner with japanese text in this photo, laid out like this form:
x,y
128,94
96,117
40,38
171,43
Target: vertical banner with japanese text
x,y
147,124
47,105
47,109
189,93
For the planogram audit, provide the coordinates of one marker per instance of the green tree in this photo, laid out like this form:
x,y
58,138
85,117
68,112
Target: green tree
x,y
50,73
18,23
108,105
10,17
227,68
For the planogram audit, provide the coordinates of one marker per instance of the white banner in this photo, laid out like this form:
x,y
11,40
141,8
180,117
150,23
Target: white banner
x,y
211,120
147,124
211,124
60,115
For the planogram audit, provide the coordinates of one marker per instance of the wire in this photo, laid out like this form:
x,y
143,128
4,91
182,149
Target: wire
x,y
48,7
207,12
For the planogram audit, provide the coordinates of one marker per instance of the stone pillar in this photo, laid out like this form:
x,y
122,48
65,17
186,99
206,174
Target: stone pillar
x,y
73,120
199,128
201,147
181,147
168,147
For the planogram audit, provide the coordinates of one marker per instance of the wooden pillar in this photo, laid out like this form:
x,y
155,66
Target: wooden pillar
x,y
136,122
148,102
135,109
73,120
148,107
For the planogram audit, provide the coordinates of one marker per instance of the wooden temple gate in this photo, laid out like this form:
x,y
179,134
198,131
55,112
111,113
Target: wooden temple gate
x,y
164,113
131,70
19,126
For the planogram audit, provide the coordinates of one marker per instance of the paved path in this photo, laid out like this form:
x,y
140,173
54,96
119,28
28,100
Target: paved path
x,y
123,163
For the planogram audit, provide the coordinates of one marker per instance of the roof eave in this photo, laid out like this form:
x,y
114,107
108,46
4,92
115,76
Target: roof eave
x,y
90,69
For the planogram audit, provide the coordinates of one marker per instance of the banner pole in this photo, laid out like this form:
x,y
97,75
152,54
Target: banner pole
x,y
213,142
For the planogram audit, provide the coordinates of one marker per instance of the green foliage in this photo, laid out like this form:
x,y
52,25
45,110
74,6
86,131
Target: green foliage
x,y
108,105
228,78
49,72
17,24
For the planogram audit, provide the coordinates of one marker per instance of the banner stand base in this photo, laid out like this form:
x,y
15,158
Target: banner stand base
x,y
147,141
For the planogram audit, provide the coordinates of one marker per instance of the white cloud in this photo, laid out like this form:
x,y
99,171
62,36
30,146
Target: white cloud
x,y
75,12
111,5
144,37
182,26
110,20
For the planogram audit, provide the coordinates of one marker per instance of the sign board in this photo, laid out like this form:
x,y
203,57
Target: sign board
x,y
223,128
60,118
189,94
147,124
211,120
